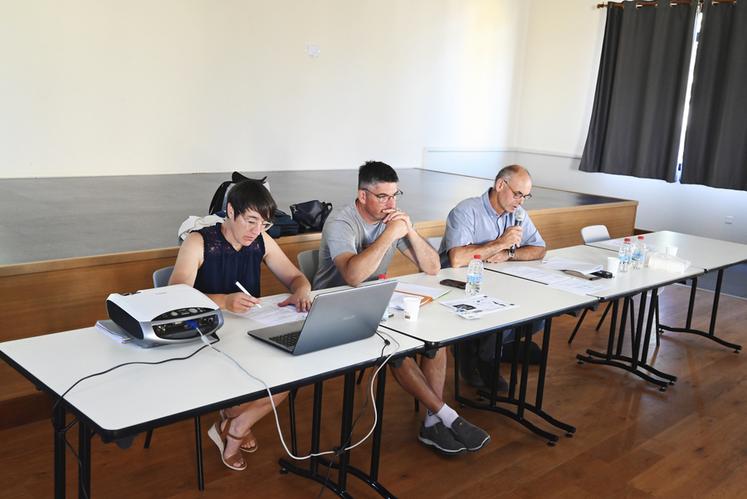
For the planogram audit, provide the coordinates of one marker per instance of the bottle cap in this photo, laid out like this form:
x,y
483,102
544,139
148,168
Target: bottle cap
x,y
640,238
381,276
476,257
626,240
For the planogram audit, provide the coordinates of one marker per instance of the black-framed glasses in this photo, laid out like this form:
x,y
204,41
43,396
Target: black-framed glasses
x,y
383,198
518,194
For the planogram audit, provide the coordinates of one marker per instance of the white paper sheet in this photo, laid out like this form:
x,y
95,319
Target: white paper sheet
x,y
270,314
473,307
582,287
534,274
555,263
404,289
417,289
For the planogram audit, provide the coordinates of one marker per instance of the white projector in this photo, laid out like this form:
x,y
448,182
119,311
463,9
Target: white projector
x,y
166,315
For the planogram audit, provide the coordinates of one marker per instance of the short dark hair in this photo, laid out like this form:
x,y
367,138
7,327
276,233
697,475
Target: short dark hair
x,y
511,170
373,172
252,195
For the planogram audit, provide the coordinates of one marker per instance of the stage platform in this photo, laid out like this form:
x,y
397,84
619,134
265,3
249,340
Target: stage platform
x,y
88,216
67,243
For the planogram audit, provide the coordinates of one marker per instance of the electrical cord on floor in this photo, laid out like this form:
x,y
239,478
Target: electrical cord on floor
x,y
355,421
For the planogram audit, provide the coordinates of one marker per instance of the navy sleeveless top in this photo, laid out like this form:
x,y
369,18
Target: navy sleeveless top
x,y
222,265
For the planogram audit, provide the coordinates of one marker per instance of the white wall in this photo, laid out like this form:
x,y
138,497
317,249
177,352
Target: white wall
x,y
559,57
104,87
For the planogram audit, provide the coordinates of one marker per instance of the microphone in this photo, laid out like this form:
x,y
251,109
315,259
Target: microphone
x,y
518,220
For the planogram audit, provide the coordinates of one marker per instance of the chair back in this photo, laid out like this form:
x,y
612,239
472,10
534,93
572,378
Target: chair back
x,y
161,276
594,233
308,262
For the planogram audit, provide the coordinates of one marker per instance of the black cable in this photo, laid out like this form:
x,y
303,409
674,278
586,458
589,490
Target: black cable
x,y
67,427
62,397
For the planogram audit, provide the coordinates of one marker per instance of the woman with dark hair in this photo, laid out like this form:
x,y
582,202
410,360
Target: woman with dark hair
x,y
213,260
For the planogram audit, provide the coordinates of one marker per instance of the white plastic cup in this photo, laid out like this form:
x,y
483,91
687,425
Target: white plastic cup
x,y
671,250
613,265
412,307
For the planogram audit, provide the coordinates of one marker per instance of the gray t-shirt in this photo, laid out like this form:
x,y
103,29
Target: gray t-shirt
x,y
345,231
475,221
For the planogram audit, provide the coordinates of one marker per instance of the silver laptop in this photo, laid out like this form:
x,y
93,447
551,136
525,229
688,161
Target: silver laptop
x,y
335,318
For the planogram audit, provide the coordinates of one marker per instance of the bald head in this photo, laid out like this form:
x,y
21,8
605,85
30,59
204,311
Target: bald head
x,y
513,185
513,171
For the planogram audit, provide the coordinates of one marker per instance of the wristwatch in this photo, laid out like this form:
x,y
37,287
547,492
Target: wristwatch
x,y
511,253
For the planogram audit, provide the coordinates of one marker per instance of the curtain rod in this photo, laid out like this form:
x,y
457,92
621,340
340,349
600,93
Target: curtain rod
x,y
644,3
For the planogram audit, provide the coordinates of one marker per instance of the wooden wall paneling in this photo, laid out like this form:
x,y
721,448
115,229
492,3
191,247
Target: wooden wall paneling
x,y
562,227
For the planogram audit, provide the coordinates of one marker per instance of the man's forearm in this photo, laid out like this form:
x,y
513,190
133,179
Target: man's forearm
x,y
460,256
427,257
530,253
359,267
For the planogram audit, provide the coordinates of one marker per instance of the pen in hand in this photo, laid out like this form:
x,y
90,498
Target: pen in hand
x,y
247,293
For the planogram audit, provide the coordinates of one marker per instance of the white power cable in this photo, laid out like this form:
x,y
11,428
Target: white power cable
x,y
274,408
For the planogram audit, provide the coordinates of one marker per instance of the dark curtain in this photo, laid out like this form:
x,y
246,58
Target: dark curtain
x,y
637,114
716,141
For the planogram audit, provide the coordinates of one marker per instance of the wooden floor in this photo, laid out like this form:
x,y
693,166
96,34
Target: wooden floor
x,y
632,440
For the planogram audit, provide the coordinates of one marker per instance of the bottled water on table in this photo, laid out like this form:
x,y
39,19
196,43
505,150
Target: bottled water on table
x,y
625,254
639,253
474,276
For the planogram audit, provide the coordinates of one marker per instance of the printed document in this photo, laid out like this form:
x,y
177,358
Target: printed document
x,y
473,307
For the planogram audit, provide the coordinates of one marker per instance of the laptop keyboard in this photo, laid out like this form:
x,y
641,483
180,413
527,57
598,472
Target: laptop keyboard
x,y
288,340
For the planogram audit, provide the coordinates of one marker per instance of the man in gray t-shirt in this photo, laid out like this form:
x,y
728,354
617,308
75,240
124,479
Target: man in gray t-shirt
x,y
487,226
345,231
358,242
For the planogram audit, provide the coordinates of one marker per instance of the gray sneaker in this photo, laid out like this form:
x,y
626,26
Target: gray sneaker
x,y
471,436
441,438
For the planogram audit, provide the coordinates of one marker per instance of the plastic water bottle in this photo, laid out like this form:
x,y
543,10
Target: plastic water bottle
x,y
624,255
639,253
474,276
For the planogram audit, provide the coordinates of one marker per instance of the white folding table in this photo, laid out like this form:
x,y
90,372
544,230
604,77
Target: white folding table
x,y
706,253
135,398
625,285
438,326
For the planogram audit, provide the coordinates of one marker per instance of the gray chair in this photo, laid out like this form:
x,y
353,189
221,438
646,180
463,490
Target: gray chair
x,y
161,278
592,234
308,262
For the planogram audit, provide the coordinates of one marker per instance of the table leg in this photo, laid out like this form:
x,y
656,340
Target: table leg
x,y
59,450
84,455
711,334
632,364
198,453
490,401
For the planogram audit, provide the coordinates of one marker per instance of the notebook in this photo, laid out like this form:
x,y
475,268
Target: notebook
x,y
335,318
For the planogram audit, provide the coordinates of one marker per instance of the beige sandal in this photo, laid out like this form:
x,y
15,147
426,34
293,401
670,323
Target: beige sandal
x,y
249,443
219,434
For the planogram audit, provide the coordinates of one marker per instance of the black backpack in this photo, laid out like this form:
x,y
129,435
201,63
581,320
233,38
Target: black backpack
x,y
218,203
283,224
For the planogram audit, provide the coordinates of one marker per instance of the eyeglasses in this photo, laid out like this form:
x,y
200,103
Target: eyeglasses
x,y
253,223
518,194
383,198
